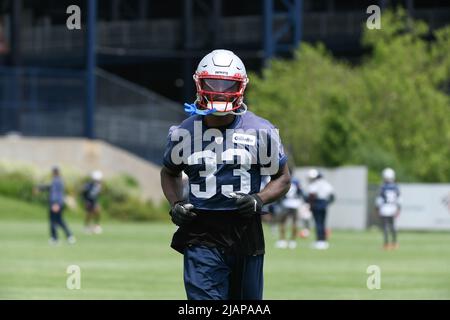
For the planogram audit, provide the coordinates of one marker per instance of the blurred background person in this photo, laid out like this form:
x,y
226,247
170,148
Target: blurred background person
x,y
388,208
289,210
271,215
304,219
91,193
271,211
56,202
320,196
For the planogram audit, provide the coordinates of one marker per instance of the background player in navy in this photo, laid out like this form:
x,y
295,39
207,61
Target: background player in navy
x,y
271,211
56,196
388,207
91,193
220,231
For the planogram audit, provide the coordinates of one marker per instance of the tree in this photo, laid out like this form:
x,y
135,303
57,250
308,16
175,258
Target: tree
x,y
390,110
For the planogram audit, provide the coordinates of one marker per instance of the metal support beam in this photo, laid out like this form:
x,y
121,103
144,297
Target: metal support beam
x,y
297,20
268,30
330,6
287,36
15,59
16,52
410,7
115,10
215,23
143,9
91,62
188,36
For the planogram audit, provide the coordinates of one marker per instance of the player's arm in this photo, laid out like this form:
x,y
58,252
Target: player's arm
x,y
300,194
312,196
277,187
250,204
399,204
332,198
378,203
172,185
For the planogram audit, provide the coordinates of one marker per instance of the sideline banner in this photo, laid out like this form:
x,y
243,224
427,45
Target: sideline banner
x,y
424,206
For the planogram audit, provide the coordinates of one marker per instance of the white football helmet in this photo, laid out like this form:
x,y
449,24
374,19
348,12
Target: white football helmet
x,y
313,174
388,174
97,175
220,80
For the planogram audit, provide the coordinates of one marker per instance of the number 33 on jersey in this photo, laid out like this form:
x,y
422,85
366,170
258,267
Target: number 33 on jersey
x,y
221,161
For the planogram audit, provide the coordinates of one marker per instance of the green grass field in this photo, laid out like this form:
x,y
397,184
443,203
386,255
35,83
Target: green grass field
x,y
134,261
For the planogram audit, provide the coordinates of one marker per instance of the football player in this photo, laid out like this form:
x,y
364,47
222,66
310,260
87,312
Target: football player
x,y
225,151
320,196
290,206
56,195
91,194
388,207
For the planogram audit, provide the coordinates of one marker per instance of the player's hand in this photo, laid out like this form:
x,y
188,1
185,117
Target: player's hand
x,y
55,207
181,213
248,204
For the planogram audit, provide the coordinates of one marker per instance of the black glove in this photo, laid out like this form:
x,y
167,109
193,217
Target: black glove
x,y
248,204
181,213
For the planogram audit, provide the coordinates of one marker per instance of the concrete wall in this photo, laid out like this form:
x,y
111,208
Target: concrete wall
x,y
85,156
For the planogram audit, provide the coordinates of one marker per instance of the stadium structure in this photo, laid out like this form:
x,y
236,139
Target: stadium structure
x,y
124,75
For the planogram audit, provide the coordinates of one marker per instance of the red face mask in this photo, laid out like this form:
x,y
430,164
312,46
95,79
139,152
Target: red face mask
x,y
224,94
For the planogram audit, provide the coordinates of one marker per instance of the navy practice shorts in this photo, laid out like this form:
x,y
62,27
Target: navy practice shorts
x,y
211,274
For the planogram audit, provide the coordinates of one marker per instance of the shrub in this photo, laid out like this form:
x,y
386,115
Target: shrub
x,y
135,209
120,197
16,185
392,109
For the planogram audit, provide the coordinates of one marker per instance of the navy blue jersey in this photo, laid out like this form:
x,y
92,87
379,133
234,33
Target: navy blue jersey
x,y
56,191
219,161
388,200
91,191
389,193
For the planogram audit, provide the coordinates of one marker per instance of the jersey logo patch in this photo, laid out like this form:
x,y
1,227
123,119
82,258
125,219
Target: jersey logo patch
x,y
244,139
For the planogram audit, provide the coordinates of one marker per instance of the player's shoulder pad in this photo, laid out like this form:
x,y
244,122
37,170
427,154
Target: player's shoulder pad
x,y
252,121
189,121
386,186
186,124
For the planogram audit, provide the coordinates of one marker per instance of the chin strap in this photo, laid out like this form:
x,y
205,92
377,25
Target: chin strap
x,y
192,109
241,110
